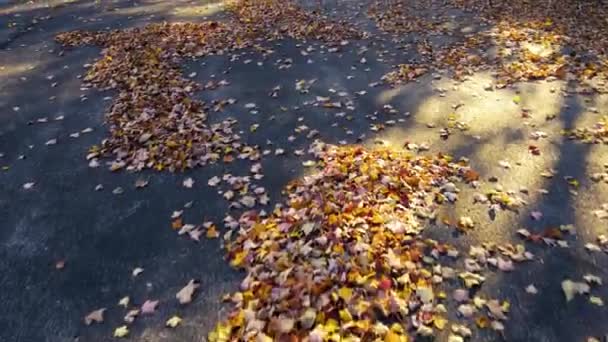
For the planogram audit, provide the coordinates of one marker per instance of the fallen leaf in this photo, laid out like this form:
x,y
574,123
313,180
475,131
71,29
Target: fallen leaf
x,y
466,310
596,300
213,181
184,296
60,264
188,183
496,309
461,295
121,331
94,316
283,325
592,279
571,288
131,315
531,289
248,201
124,301
173,322
149,306
536,215
517,99
592,247
141,183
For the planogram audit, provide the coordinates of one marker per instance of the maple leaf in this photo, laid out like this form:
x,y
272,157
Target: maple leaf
x,y
95,316
121,331
141,183
571,288
184,296
124,301
188,183
173,322
149,306
131,315
212,232
213,181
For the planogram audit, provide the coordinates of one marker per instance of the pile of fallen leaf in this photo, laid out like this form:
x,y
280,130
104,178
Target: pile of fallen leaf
x,y
155,122
278,19
399,17
524,41
343,257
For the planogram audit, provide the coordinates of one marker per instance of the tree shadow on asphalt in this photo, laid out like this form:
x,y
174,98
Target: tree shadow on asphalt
x,y
547,316
552,318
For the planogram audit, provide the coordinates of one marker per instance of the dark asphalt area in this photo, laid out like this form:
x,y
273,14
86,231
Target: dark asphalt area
x,y
103,236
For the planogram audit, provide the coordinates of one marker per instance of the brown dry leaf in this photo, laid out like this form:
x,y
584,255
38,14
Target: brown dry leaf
x,y
131,315
184,296
141,183
149,306
124,301
212,232
471,176
177,223
95,316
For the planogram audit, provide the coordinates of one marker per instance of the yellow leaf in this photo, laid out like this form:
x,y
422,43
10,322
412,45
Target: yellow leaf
x,y
345,316
517,99
440,322
482,322
238,259
173,322
212,232
121,331
221,333
345,293
392,336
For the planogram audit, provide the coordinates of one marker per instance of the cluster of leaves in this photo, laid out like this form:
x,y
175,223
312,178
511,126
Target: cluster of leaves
x,y
277,19
592,135
149,307
399,17
154,121
530,44
343,258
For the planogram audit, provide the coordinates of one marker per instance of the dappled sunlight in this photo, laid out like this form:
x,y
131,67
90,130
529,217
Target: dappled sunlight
x,y
29,5
483,112
486,127
199,10
404,93
193,10
591,196
15,70
150,8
